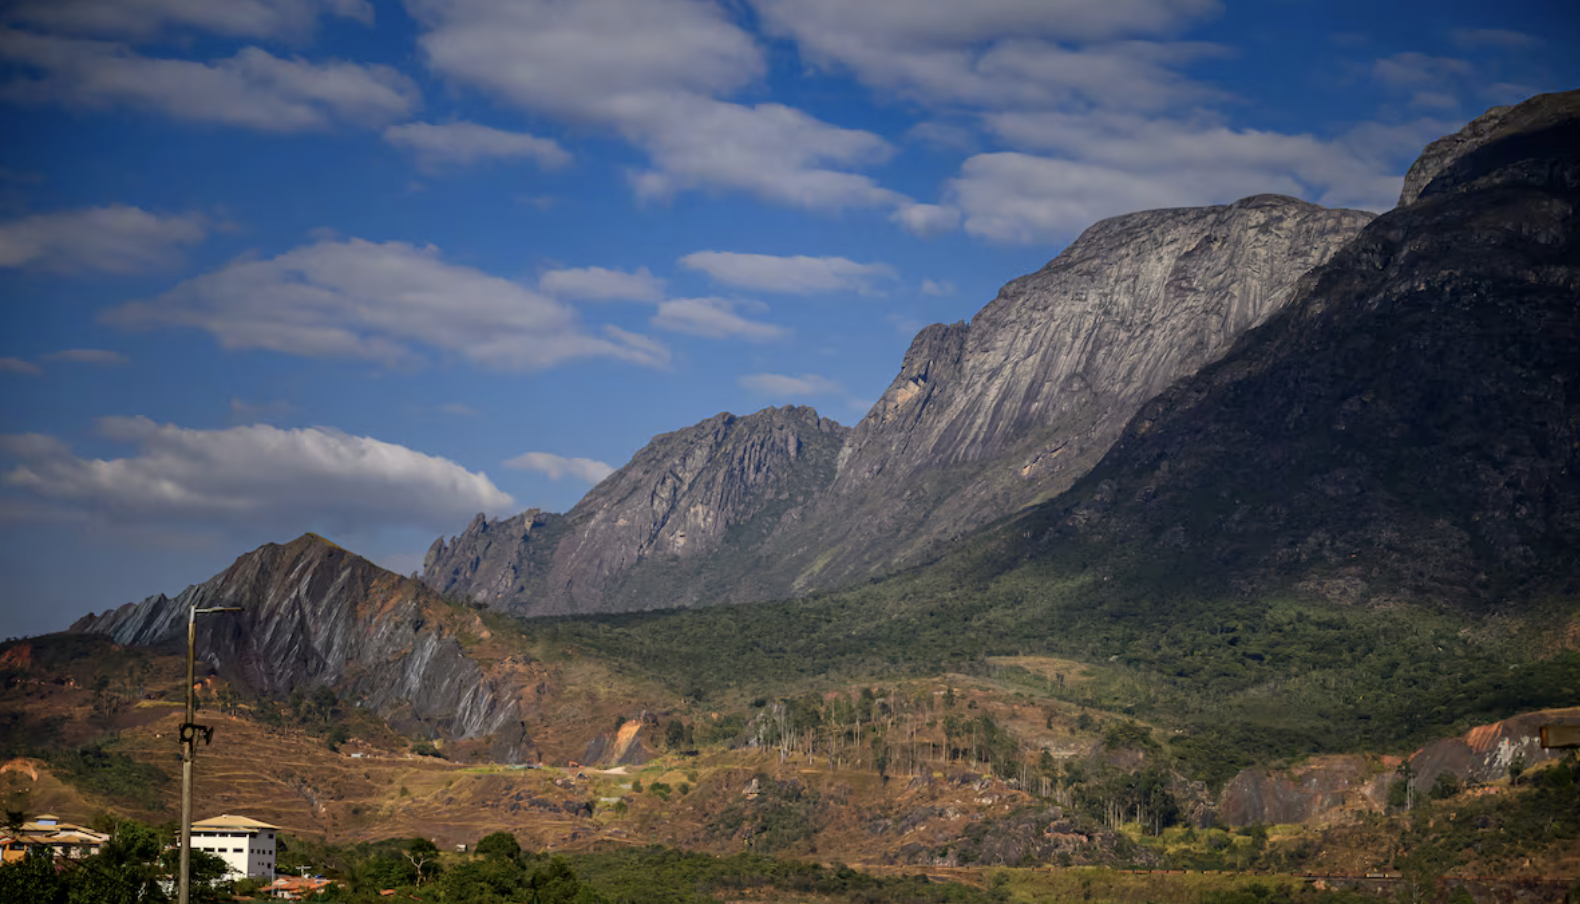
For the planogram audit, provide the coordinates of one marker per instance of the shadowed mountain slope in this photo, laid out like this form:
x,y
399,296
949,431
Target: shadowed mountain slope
x,y
315,615
982,420
1409,425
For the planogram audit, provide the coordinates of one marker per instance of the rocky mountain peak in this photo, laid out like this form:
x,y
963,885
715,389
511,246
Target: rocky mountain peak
x,y
1533,115
683,496
988,417
1408,424
314,615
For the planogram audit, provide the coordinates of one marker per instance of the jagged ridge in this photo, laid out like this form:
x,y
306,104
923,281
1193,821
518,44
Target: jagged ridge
x,y
314,615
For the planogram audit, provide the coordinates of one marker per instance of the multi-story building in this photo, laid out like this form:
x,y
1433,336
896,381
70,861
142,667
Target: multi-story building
x,y
246,845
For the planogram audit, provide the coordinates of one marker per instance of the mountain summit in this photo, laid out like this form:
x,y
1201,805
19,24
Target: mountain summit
x,y
982,420
1410,424
314,615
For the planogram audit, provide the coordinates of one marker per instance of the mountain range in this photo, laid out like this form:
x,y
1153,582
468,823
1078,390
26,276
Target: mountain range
x,y
1260,397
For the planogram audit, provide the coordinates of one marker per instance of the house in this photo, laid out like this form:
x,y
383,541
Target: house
x,y
295,888
246,845
46,830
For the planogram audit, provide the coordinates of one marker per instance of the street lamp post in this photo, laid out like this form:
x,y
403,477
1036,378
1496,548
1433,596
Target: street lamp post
x,y
189,733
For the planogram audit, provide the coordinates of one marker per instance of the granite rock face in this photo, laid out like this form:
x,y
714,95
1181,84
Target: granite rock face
x,y
314,615
1409,425
987,418
982,420
1534,115
682,523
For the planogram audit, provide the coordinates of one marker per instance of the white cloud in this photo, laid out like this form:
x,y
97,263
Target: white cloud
x,y
592,60
253,89
459,409
926,220
715,318
770,150
1102,165
937,287
602,284
115,239
290,19
787,385
999,52
242,477
465,143
393,303
654,71
557,466
795,274
97,357
18,366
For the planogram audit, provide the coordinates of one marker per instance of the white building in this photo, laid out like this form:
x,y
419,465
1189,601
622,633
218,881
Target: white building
x,y
246,845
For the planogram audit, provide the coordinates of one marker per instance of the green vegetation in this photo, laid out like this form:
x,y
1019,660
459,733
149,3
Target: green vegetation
x,y
101,770
1246,680
129,869
499,872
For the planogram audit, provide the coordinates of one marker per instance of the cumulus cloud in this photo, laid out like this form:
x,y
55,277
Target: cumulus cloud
x,y
253,89
926,220
714,318
794,274
655,72
1101,165
393,303
19,366
246,476
776,152
289,19
113,239
1000,52
464,143
602,284
558,466
787,385
97,357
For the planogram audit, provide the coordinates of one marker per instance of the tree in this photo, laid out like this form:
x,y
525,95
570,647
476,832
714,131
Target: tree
x,y
33,879
500,845
1446,786
424,857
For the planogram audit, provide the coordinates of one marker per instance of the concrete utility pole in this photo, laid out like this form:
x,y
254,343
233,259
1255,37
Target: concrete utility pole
x,y
189,733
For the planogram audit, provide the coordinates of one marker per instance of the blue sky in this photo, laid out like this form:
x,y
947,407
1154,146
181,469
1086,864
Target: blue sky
x,y
366,268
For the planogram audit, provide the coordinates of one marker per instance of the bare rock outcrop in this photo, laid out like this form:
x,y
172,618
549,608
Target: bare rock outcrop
x,y
683,523
1409,423
986,418
314,615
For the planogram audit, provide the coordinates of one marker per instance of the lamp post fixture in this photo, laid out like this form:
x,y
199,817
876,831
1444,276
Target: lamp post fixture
x,y
189,733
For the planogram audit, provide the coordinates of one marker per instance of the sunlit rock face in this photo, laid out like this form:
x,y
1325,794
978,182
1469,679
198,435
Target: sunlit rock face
x,y
683,523
1409,425
986,418
314,615
982,420
1129,329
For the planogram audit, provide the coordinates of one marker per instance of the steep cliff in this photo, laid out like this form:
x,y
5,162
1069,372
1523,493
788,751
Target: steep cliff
x,y
684,522
985,419
1408,426
314,615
